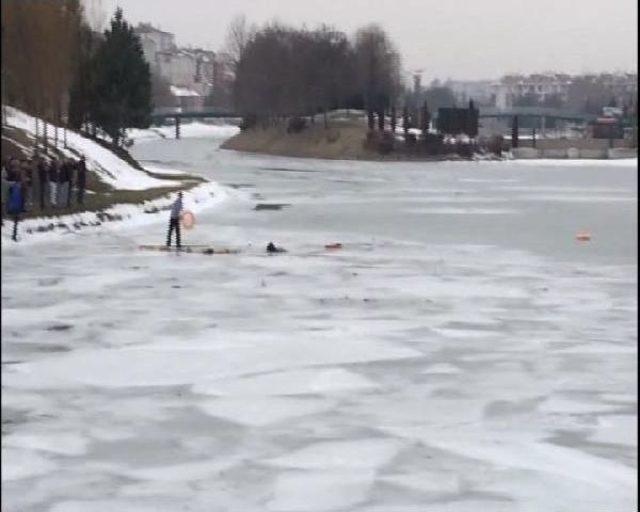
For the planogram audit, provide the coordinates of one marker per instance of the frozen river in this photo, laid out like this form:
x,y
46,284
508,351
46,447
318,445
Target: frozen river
x,y
462,352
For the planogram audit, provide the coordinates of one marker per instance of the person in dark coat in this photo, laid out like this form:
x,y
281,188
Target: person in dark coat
x,y
81,179
174,221
71,166
13,171
5,187
10,176
43,181
63,184
22,175
15,205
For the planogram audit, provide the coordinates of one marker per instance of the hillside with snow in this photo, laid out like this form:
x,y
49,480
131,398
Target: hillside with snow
x,y
107,166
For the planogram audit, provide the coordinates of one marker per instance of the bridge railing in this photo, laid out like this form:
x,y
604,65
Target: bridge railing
x,y
186,111
534,112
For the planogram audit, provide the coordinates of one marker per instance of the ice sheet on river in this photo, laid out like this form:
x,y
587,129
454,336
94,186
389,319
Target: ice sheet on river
x,y
436,363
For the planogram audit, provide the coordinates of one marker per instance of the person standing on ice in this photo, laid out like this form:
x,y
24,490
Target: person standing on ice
x,y
174,221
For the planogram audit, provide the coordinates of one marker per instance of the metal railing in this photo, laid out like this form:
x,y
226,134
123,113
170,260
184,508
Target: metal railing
x,y
192,112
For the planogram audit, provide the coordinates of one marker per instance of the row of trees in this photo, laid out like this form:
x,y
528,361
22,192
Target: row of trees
x,y
55,67
589,93
40,42
282,71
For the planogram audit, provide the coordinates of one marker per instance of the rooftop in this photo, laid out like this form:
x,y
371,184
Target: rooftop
x,y
147,28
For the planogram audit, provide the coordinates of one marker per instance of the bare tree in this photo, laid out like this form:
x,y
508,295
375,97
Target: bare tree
x,y
282,71
238,36
378,65
39,50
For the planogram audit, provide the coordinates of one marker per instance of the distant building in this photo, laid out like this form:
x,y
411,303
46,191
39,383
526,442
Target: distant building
x,y
154,41
186,98
623,87
186,69
204,72
177,67
539,87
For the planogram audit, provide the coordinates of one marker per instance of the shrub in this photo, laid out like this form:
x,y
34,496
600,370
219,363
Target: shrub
x,y
464,149
385,143
410,139
296,124
432,143
495,144
371,140
248,122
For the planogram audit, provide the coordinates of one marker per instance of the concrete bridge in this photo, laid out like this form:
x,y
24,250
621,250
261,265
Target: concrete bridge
x,y
162,114
178,113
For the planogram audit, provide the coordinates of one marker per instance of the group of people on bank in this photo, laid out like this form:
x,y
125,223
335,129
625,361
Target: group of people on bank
x,y
40,183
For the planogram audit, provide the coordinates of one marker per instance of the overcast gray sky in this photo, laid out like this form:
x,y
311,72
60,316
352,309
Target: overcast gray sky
x,y
459,39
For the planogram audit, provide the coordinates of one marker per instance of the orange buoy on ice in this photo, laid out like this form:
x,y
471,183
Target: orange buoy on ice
x,y
583,236
337,245
188,219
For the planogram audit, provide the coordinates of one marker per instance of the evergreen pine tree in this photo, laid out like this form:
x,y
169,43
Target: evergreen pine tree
x,y
121,81
82,85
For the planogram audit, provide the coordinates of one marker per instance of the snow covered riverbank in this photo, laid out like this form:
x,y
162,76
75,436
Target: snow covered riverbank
x,y
120,216
111,169
119,175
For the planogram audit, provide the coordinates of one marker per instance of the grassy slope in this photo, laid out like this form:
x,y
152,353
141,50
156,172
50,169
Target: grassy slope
x,y
342,140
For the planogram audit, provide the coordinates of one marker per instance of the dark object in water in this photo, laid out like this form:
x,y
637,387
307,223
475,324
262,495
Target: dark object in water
x,y
271,248
271,206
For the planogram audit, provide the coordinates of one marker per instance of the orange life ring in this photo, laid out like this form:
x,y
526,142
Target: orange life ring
x,y
187,219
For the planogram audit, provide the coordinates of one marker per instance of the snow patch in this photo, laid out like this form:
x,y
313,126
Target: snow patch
x,y
193,129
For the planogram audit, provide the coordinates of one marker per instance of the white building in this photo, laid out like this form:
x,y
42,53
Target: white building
x,y
177,67
540,86
204,74
154,41
186,98
186,69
